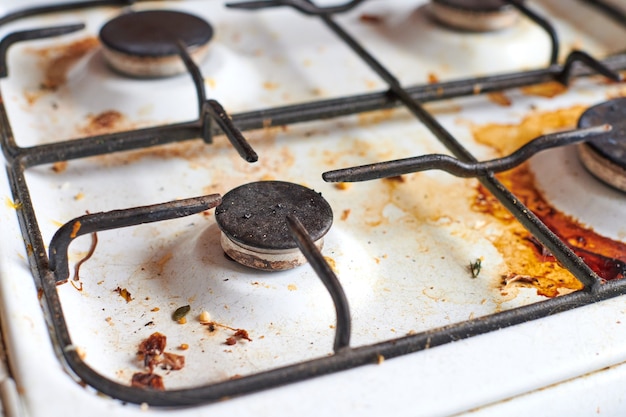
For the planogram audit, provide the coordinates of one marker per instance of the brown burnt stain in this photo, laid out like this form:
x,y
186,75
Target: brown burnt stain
x,y
109,121
500,99
549,90
529,264
371,18
57,61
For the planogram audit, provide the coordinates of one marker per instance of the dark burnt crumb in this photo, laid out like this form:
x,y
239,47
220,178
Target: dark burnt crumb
x,y
211,327
231,341
147,380
172,361
151,348
150,323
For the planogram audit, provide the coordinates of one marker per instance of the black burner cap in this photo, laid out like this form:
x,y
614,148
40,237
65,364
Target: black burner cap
x,y
611,112
476,6
154,33
255,214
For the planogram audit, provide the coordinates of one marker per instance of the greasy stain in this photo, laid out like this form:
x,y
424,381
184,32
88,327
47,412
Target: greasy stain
x,y
57,61
529,264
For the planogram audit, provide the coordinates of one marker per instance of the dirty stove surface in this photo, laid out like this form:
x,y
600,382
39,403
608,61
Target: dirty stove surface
x,y
402,248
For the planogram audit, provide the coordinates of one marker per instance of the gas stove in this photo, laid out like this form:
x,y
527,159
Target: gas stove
x,y
284,207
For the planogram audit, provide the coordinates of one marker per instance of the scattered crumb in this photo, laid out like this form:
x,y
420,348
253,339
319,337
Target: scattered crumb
x,y
370,18
124,293
59,167
345,214
204,317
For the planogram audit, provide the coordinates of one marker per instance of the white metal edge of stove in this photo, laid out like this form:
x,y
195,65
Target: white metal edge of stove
x,y
411,375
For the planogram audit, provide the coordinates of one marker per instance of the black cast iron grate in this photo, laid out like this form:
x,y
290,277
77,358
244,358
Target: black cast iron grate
x,y
48,271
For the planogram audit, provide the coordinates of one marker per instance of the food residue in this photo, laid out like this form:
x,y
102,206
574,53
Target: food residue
x,y
370,18
234,338
549,90
204,317
147,380
432,78
152,353
180,313
500,98
529,263
475,267
108,121
124,293
59,167
59,60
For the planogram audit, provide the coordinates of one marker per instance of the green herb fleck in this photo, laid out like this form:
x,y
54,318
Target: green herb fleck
x,y
475,267
181,312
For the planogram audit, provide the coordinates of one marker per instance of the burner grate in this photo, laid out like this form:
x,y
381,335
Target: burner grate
x,y
46,270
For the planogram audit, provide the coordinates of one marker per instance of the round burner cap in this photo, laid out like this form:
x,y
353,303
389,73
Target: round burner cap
x,y
474,15
606,158
145,43
254,214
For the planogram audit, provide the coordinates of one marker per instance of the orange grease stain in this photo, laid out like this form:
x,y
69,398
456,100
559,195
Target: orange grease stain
x,y
530,264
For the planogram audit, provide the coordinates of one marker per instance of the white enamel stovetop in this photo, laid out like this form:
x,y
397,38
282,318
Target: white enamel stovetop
x,y
381,236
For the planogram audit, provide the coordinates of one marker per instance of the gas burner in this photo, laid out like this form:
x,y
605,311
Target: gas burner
x,y
144,44
474,15
606,159
255,233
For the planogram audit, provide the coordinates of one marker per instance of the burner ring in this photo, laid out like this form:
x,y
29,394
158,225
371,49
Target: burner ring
x,y
606,159
255,233
145,43
474,15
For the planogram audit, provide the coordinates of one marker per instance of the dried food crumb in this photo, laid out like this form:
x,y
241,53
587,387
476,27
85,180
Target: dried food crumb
x,y
147,380
59,166
370,18
124,293
180,314
183,346
182,320
204,317
151,349
172,361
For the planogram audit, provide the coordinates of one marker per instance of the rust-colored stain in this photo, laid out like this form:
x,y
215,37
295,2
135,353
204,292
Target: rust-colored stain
x,y
109,121
500,99
549,90
57,61
529,264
